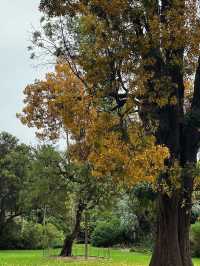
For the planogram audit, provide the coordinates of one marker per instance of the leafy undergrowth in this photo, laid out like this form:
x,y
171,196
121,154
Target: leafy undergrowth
x,y
36,258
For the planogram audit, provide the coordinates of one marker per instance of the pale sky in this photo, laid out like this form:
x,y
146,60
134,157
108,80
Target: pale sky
x,y
16,69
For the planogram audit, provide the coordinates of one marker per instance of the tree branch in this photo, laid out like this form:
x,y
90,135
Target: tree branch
x,y
196,95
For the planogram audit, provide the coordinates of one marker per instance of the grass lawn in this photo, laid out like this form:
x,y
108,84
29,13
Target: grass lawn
x,y
36,258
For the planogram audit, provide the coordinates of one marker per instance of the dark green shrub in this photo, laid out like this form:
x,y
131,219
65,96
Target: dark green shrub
x,y
195,239
32,236
107,234
54,237
194,217
195,213
127,234
10,237
37,236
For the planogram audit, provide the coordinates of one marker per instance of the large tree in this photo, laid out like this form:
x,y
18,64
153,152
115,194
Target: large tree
x,y
97,152
140,60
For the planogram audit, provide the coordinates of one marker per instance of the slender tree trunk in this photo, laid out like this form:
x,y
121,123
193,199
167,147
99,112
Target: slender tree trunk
x,y
86,235
2,220
69,240
67,247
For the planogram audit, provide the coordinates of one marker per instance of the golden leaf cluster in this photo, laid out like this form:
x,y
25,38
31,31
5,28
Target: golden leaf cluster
x,y
61,102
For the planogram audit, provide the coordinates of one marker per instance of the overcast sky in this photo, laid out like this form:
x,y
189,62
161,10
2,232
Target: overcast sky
x,y
16,69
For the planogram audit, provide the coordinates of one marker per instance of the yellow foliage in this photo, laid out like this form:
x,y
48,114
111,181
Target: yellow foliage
x,y
61,102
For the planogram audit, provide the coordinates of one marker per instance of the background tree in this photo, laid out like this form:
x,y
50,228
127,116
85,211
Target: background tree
x,y
49,185
87,194
137,57
64,191
14,180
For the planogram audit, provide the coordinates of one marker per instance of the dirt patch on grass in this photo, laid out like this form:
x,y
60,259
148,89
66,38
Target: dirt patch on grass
x,y
75,258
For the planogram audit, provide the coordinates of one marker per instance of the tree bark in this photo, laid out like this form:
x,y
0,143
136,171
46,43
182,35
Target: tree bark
x,y
184,241
67,247
69,240
172,246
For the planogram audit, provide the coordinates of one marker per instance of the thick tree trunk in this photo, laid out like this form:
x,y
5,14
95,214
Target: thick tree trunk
x,y
184,231
172,246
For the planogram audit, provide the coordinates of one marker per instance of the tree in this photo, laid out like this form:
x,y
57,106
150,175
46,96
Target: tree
x,y
142,202
49,184
88,194
14,180
65,190
52,192
135,60
61,103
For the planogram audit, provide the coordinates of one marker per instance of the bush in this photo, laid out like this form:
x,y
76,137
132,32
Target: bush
x,y
10,237
36,236
30,235
54,237
195,214
195,239
107,234
127,234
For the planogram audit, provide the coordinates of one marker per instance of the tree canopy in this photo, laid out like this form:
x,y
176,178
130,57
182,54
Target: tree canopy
x,y
126,87
14,179
114,144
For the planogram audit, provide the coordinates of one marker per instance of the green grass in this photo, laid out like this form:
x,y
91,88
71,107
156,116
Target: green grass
x,y
36,258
